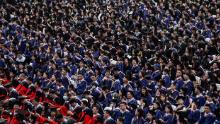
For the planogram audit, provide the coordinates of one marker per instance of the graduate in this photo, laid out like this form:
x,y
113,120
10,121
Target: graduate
x,y
169,117
107,116
193,114
207,117
81,84
138,119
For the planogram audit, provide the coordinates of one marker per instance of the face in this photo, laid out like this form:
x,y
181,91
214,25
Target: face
x,y
162,98
206,109
125,80
186,77
16,107
143,91
105,114
173,87
73,104
80,77
178,73
93,78
53,114
95,110
215,66
180,102
134,62
149,116
194,107
167,110
81,64
129,95
53,78
122,106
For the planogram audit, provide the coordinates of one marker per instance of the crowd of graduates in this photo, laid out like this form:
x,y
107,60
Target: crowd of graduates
x,y
110,61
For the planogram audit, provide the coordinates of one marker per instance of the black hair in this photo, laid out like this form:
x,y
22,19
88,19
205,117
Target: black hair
x,y
140,112
121,119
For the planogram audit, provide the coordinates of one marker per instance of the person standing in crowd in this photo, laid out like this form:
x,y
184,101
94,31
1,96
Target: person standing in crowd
x,y
207,117
107,116
138,119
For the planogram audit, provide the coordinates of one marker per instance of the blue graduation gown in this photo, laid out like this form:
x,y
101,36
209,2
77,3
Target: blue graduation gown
x,y
170,119
62,91
189,87
132,102
155,75
209,119
175,94
88,79
167,81
151,86
135,69
107,100
65,82
106,83
193,116
73,70
143,82
126,115
179,84
116,86
81,87
158,114
2,64
200,101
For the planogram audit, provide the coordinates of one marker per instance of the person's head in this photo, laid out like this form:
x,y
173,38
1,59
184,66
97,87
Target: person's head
x,y
123,106
93,77
215,65
126,61
198,90
107,113
180,101
134,62
53,78
80,76
173,86
178,73
193,106
149,116
139,112
120,120
207,108
73,102
141,74
52,114
186,77
64,72
16,107
130,95
169,109
85,103
81,64
156,105
163,97
95,109
125,80
209,98
143,90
